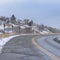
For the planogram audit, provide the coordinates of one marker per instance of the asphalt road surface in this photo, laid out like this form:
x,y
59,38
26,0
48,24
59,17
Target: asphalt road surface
x,y
49,46
22,48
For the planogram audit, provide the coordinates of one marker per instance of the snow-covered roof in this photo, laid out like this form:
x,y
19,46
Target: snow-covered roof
x,y
35,28
1,27
8,31
15,25
22,27
26,26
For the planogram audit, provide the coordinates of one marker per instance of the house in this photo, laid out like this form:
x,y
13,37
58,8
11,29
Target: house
x,y
25,29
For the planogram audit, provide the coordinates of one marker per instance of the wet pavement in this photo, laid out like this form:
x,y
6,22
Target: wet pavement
x,y
22,48
50,45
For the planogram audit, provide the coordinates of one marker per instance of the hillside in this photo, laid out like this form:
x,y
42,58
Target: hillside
x,y
24,24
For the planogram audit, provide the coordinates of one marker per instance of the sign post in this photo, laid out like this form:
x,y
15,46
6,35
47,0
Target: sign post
x,y
4,27
19,28
12,28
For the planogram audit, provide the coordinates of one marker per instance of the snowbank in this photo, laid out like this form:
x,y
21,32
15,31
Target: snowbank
x,y
44,32
8,32
3,41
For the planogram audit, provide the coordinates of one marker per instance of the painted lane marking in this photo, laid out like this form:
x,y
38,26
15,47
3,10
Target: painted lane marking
x,y
54,57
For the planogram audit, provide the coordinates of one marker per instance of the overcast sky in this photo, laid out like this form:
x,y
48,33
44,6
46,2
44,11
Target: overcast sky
x,y
45,12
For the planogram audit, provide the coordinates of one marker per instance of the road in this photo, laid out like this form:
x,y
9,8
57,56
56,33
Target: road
x,y
48,46
22,48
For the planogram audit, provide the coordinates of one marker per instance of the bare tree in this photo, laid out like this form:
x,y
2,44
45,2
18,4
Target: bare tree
x,y
26,21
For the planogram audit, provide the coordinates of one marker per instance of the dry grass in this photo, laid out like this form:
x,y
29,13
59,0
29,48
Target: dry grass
x,y
6,35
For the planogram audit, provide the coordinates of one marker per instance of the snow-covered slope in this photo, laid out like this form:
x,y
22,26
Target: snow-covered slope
x,y
1,27
44,31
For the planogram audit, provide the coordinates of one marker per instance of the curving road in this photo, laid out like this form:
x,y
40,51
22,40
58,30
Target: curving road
x,y
48,46
23,48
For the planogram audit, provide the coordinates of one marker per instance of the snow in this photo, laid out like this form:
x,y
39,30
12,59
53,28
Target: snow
x,y
26,26
44,32
35,29
15,25
58,38
1,27
3,41
8,31
1,33
7,27
22,27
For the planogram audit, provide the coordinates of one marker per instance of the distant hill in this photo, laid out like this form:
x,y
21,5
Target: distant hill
x,y
47,28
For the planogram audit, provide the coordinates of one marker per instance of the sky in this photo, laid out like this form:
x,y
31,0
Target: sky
x,y
45,12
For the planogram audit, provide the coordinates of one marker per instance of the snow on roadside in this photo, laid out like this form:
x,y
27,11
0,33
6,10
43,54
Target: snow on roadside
x,y
8,32
3,41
